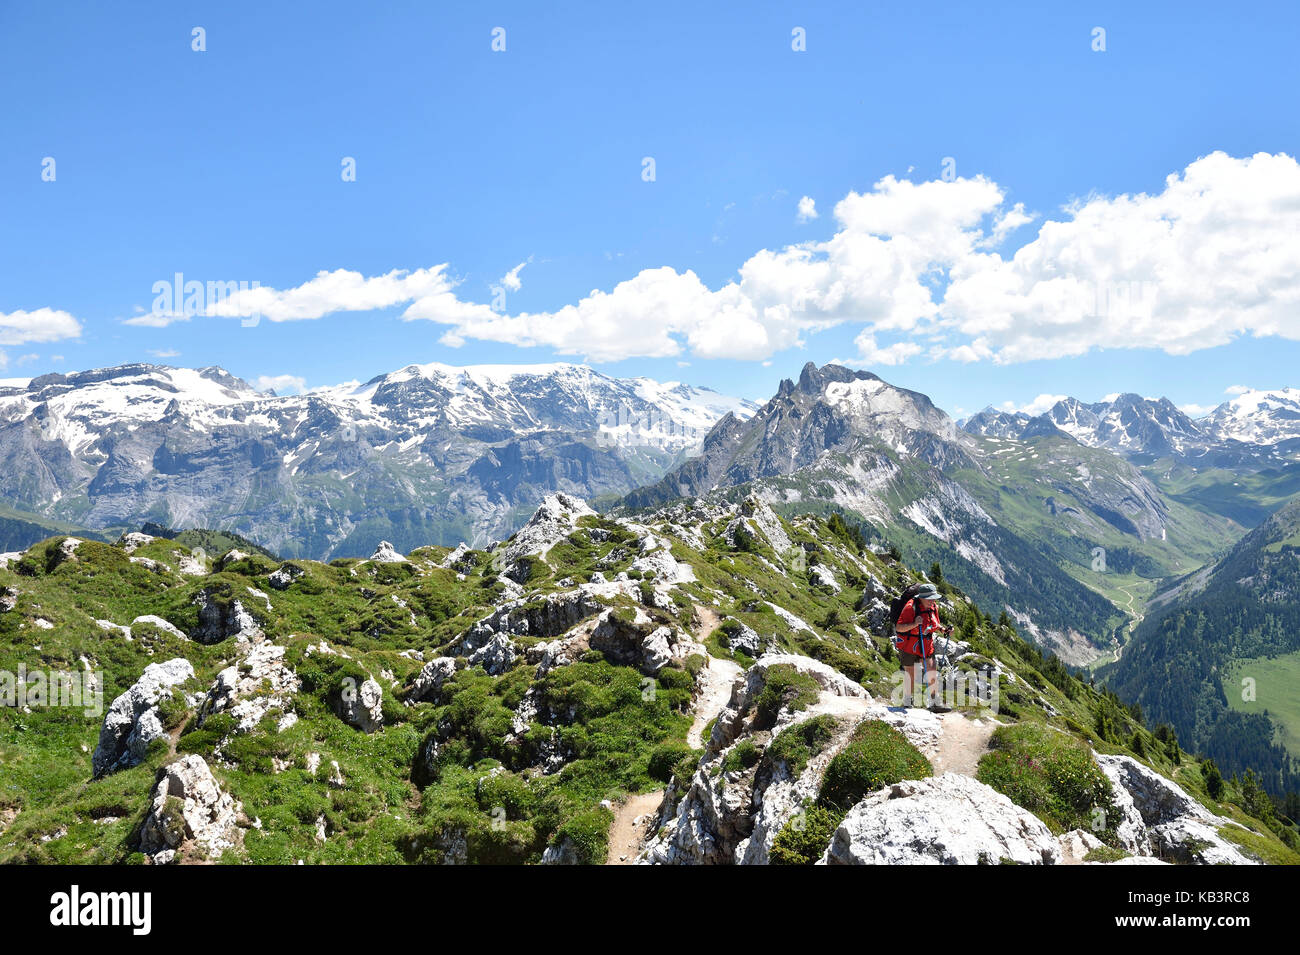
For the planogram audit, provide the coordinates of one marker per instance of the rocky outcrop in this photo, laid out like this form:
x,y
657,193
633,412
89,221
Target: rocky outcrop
x,y
554,520
739,715
259,685
134,540
637,642
546,617
386,554
755,516
155,621
738,636
132,721
1175,826
428,682
457,559
189,808
822,576
220,619
949,820
723,816
363,707
496,655
285,576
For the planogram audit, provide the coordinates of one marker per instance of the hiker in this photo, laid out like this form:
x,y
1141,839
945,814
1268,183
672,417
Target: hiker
x,y
917,620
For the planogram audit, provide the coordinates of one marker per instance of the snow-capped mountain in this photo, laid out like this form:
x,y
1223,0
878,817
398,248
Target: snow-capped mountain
x,y
1268,418
1252,430
1128,424
1002,517
430,452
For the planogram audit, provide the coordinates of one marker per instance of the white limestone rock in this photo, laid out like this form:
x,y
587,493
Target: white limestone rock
x,y
948,820
190,807
132,722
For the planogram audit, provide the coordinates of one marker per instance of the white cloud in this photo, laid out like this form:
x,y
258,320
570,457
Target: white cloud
x,y
1213,256
29,357
164,352
42,325
896,354
1235,390
283,384
156,319
511,279
1196,411
339,291
1034,408
807,210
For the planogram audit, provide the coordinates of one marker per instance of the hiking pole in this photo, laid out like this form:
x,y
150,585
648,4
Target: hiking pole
x,y
925,680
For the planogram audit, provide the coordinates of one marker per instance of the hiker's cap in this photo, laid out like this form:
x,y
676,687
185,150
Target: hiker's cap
x,y
928,592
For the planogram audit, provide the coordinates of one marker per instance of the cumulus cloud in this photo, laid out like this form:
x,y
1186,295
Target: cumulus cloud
x,y
1213,256
282,384
807,210
1036,407
1235,390
42,325
916,268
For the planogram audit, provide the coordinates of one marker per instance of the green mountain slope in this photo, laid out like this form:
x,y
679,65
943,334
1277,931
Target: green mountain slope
x,y
1247,606
481,706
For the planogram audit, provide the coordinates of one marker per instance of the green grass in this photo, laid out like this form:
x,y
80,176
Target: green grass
x,y
1266,848
876,756
1053,776
1276,679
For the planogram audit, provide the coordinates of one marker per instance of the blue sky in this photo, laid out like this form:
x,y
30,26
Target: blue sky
x,y
225,165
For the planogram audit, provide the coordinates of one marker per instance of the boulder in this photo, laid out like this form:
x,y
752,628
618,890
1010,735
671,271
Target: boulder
x,y
219,620
948,820
363,708
132,722
428,682
386,554
1176,826
495,656
1076,844
285,576
260,684
743,638
132,541
189,807
160,623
